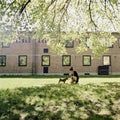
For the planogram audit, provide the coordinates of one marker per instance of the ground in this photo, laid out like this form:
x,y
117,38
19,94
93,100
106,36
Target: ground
x,y
45,99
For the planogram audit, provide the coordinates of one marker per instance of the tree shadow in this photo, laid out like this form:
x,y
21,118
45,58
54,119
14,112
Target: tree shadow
x,y
56,102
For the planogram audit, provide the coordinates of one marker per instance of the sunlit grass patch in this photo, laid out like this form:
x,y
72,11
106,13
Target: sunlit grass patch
x,y
16,82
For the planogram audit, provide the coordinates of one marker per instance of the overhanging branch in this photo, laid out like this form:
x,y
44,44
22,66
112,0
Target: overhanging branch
x,y
90,13
65,10
24,6
10,5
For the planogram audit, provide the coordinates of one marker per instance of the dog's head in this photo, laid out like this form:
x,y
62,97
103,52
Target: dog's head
x,y
60,79
63,79
66,78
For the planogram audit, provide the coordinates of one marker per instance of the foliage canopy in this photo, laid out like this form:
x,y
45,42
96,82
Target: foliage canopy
x,y
62,19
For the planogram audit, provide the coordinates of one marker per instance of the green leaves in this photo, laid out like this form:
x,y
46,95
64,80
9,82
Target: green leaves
x,y
114,1
61,16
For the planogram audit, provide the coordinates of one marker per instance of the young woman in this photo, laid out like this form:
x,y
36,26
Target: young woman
x,y
74,76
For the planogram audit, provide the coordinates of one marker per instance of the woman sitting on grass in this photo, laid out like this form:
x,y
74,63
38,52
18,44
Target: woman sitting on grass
x,y
74,76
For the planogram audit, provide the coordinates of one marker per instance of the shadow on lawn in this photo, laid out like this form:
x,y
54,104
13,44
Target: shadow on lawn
x,y
61,102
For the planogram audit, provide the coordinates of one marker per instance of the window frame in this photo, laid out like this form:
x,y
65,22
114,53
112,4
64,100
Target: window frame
x,y
64,58
42,57
5,45
19,63
87,45
119,42
3,65
111,46
83,58
109,60
68,42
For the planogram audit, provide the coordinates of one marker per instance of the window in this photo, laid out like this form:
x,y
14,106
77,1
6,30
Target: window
x,y
66,60
86,60
69,44
106,60
119,42
88,43
5,45
45,69
22,60
2,60
45,50
45,60
108,44
29,40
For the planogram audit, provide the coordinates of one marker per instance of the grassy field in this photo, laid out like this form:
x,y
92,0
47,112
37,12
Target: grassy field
x,y
44,99
15,82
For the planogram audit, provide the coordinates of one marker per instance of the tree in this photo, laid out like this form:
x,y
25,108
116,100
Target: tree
x,y
92,21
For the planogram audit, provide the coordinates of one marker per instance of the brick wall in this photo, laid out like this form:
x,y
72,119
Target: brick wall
x,y
34,51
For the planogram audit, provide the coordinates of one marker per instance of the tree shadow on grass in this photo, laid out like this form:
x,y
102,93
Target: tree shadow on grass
x,y
61,102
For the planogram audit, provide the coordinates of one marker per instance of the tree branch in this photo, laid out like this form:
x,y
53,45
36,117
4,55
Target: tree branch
x,y
111,4
54,12
52,2
65,10
90,13
9,6
112,7
24,6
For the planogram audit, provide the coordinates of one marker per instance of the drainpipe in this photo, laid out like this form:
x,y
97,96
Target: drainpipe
x,y
33,57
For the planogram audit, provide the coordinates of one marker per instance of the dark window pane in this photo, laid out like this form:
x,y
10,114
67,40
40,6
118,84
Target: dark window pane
x,y
45,69
45,50
69,44
2,60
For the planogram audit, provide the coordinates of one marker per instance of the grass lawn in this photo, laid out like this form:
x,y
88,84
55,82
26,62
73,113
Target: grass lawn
x,y
45,99
16,82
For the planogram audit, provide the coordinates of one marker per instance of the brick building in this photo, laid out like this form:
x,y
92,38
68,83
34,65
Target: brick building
x,y
26,56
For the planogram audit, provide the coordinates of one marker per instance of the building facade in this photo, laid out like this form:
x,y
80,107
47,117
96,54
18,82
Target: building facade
x,y
26,56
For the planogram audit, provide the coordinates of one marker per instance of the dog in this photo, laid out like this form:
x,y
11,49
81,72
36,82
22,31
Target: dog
x,y
62,80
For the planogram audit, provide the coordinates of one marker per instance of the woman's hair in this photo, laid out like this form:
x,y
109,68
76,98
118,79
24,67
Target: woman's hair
x,y
71,68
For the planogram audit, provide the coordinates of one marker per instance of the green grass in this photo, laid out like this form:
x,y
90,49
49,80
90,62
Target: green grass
x,y
45,99
58,76
15,82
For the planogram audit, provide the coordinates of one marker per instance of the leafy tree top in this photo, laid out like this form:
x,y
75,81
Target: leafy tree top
x,y
58,16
